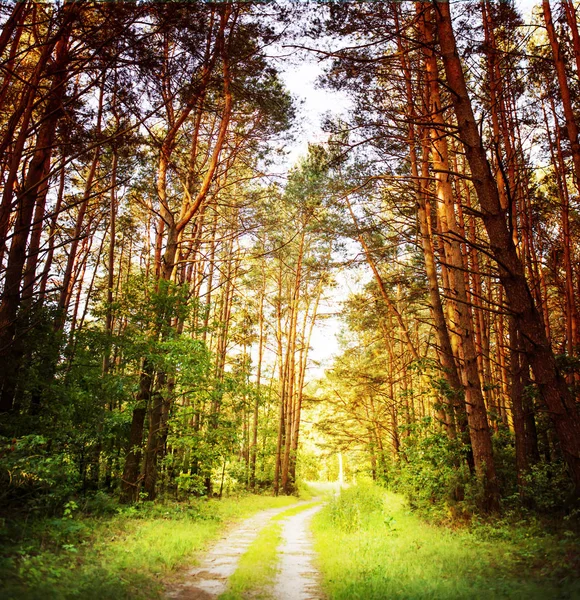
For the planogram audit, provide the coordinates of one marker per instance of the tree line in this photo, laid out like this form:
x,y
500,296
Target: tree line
x,y
462,365
160,288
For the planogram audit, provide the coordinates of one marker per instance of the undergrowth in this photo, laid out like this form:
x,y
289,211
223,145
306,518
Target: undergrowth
x,y
372,546
123,553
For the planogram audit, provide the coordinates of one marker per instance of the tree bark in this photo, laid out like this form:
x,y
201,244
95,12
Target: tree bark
x,y
564,87
131,480
462,322
36,176
551,384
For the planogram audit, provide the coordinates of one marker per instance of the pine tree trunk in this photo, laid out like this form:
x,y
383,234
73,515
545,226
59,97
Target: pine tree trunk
x,y
564,87
461,322
131,480
551,384
26,201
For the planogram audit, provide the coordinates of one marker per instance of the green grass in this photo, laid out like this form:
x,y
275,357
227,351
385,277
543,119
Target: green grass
x,y
257,567
126,556
372,547
323,489
293,511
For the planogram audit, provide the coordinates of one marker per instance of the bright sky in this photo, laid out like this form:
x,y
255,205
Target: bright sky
x,y
316,103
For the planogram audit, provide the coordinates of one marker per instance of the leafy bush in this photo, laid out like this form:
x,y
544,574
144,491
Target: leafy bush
x,y
100,504
34,476
549,486
433,473
353,508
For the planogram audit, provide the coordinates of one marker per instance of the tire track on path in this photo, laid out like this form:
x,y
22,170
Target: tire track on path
x,y
298,578
210,578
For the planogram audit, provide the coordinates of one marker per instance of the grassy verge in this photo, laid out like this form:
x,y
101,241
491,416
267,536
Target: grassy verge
x,y
257,567
126,555
372,547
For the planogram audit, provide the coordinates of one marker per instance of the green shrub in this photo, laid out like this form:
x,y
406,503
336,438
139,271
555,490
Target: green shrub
x,y
33,476
433,472
100,504
548,485
353,508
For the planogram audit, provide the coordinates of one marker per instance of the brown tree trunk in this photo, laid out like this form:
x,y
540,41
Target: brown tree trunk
x,y
35,178
572,333
29,275
522,410
281,367
13,21
462,322
290,371
570,11
51,236
453,397
307,328
551,384
261,341
150,470
21,116
565,94
131,480
67,280
111,261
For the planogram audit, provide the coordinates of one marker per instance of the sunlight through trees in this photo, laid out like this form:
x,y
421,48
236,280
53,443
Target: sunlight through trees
x,y
161,280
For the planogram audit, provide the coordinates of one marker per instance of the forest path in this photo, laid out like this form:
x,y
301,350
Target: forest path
x,y
209,579
297,577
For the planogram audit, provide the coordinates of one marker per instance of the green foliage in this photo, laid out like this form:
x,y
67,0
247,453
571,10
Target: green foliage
x,y
73,440
548,485
33,476
112,556
433,474
355,508
392,553
432,470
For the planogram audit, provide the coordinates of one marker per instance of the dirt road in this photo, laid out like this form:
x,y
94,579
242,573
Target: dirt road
x,y
297,578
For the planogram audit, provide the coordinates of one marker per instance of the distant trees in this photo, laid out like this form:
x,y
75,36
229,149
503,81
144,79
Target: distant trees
x,y
302,274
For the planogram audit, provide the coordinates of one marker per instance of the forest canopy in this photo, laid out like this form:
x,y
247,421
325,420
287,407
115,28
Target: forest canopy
x,y
161,281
